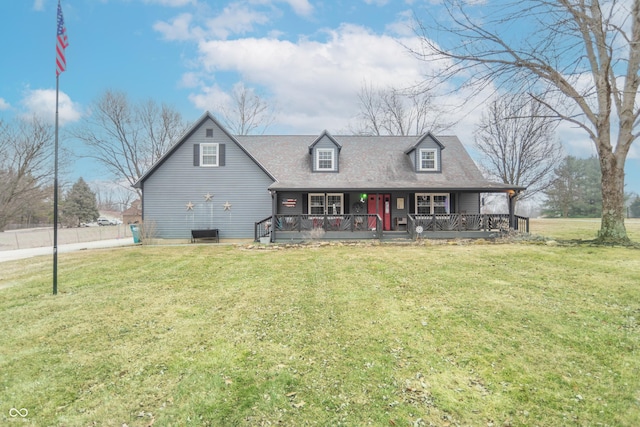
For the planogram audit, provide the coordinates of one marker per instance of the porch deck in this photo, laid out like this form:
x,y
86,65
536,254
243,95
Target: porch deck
x,y
367,226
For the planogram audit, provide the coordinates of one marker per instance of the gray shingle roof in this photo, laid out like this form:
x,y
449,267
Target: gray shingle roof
x,y
366,163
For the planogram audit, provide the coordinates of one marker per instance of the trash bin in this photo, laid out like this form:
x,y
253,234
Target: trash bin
x,y
135,232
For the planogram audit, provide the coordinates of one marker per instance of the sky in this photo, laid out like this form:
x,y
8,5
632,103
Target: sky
x,y
307,58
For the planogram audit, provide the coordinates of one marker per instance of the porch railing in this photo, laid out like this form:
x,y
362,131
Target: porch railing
x,y
420,225
417,225
521,224
262,228
327,223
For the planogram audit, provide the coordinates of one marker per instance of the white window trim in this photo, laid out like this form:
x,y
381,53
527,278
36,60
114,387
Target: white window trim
x,y
325,207
324,203
333,159
209,144
435,159
330,208
431,207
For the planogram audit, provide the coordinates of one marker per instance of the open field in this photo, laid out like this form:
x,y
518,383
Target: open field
x,y
577,229
434,334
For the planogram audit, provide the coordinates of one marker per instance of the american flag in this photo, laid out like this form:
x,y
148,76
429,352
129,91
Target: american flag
x,y
61,43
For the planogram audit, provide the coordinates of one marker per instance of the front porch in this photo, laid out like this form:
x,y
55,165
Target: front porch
x,y
285,228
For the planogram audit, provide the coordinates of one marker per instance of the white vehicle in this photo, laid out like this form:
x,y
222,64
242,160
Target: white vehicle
x,y
103,221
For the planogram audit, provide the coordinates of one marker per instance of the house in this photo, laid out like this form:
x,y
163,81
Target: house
x,y
291,187
133,215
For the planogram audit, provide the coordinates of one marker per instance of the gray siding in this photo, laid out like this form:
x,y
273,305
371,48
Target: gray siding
x,y
326,142
240,182
469,203
297,209
427,143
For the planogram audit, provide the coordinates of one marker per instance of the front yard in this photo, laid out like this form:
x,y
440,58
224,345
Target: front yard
x,y
446,334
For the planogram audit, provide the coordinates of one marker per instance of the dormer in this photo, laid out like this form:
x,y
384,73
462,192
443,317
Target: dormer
x,y
426,154
324,153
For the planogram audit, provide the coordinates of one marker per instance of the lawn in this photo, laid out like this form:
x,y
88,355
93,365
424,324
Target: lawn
x,y
433,334
578,228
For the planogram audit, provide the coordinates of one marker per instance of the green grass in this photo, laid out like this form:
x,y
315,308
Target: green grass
x,y
449,334
578,228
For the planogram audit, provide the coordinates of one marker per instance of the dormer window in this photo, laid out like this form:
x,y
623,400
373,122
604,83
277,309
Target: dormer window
x,y
426,154
324,154
428,159
325,159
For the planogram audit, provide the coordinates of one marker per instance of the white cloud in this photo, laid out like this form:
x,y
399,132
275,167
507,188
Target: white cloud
x,y
38,5
376,2
300,7
210,98
235,19
172,3
403,25
42,103
179,28
190,80
575,140
315,83
4,105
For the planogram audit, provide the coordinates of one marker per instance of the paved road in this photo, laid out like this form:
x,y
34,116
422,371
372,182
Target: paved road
x,y
32,252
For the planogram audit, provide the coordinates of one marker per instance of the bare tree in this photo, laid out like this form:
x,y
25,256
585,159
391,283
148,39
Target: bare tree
x,y
248,112
392,111
161,125
518,143
112,196
583,52
26,164
127,139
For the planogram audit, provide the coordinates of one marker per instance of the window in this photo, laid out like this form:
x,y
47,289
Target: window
x,y
428,159
440,203
316,204
429,204
334,204
209,133
208,154
324,159
326,204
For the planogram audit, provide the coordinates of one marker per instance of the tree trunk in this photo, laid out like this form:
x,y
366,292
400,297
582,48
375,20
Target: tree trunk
x,y
612,229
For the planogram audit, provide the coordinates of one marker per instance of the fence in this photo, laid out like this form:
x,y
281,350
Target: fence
x,y
41,237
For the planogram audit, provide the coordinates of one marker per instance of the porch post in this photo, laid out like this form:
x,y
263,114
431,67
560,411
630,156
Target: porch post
x,y
274,211
512,219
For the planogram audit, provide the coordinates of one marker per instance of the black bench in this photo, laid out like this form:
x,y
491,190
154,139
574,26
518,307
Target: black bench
x,y
208,234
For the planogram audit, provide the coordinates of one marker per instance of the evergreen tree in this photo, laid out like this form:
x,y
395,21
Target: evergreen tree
x,y
635,207
80,205
589,203
576,190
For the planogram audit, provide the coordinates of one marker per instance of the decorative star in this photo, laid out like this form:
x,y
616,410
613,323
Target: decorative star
x,y
227,206
189,206
208,197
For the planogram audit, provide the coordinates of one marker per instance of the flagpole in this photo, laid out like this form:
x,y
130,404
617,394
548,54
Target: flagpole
x,y
55,200
61,65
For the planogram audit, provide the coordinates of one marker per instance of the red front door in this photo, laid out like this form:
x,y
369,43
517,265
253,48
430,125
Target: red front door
x,y
380,204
